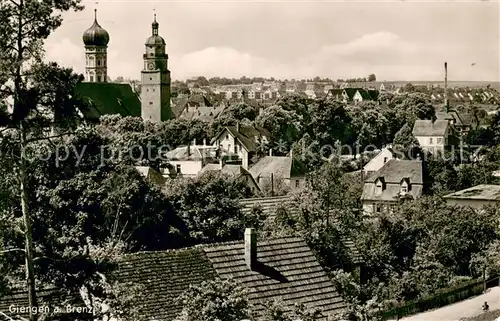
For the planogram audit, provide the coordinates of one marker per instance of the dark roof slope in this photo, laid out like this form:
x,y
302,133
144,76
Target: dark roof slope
x,y
478,192
269,206
288,270
246,135
164,276
280,166
395,170
108,99
429,128
391,175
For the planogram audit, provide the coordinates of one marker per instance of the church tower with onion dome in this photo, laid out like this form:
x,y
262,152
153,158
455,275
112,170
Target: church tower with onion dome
x,y
155,79
96,41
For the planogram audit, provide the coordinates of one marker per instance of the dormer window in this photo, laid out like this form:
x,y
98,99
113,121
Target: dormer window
x,y
379,185
405,186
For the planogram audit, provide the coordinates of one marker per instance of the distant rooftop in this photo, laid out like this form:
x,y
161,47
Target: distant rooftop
x,y
479,192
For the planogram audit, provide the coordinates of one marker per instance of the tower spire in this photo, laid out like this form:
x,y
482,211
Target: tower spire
x,y
155,25
95,14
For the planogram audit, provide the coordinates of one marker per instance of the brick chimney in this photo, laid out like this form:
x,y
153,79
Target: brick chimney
x,y
250,248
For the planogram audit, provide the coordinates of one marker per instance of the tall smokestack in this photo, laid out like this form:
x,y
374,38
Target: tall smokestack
x,y
446,86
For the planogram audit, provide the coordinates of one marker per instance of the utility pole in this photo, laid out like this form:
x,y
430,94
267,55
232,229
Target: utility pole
x,y
445,86
272,184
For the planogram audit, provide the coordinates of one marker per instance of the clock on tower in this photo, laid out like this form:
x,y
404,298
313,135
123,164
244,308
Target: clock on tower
x,y
155,80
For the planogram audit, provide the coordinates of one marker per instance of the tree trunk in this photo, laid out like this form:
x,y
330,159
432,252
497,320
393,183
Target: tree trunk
x,y
28,234
28,237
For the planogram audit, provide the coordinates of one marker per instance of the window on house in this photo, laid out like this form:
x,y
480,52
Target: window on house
x,y
236,149
98,62
430,140
147,90
297,183
98,78
385,160
378,208
153,90
378,188
178,168
91,78
439,140
150,102
150,78
229,147
404,189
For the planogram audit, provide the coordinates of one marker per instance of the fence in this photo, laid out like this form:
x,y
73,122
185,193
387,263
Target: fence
x,y
445,297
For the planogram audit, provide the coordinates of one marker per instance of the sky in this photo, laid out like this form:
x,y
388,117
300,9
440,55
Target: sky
x,y
395,40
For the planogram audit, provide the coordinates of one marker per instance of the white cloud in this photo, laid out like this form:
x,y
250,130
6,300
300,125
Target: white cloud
x,y
386,54
66,54
224,62
378,43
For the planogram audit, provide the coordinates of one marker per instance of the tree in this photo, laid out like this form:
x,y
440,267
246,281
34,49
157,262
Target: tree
x,y
329,122
370,124
208,206
285,126
24,24
276,311
372,77
84,202
409,88
405,144
217,300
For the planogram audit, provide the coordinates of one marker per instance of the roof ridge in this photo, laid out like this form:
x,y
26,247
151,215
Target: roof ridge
x,y
208,245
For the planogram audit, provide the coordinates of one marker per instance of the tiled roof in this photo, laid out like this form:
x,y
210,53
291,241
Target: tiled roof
x,y
201,113
395,170
246,135
280,166
191,153
429,128
229,169
461,119
108,99
374,94
287,269
392,173
178,104
269,205
151,174
164,276
364,94
479,192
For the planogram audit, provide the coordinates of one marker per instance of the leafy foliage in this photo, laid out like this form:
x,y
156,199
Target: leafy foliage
x,y
208,206
217,300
